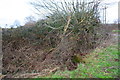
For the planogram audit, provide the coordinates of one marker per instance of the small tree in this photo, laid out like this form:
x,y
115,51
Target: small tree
x,y
16,23
76,20
79,17
82,13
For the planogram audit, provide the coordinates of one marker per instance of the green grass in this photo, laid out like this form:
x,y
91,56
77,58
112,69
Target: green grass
x,y
99,64
115,30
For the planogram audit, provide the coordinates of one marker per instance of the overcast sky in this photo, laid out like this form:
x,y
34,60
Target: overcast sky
x,y
11,10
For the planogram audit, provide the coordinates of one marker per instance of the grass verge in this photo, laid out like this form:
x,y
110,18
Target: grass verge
x,y
102,63
115,30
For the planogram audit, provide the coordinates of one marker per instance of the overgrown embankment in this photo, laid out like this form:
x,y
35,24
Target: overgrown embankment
x,y
61,40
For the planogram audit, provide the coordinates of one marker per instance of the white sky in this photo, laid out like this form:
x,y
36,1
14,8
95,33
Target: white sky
x,y
11,10
112,10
